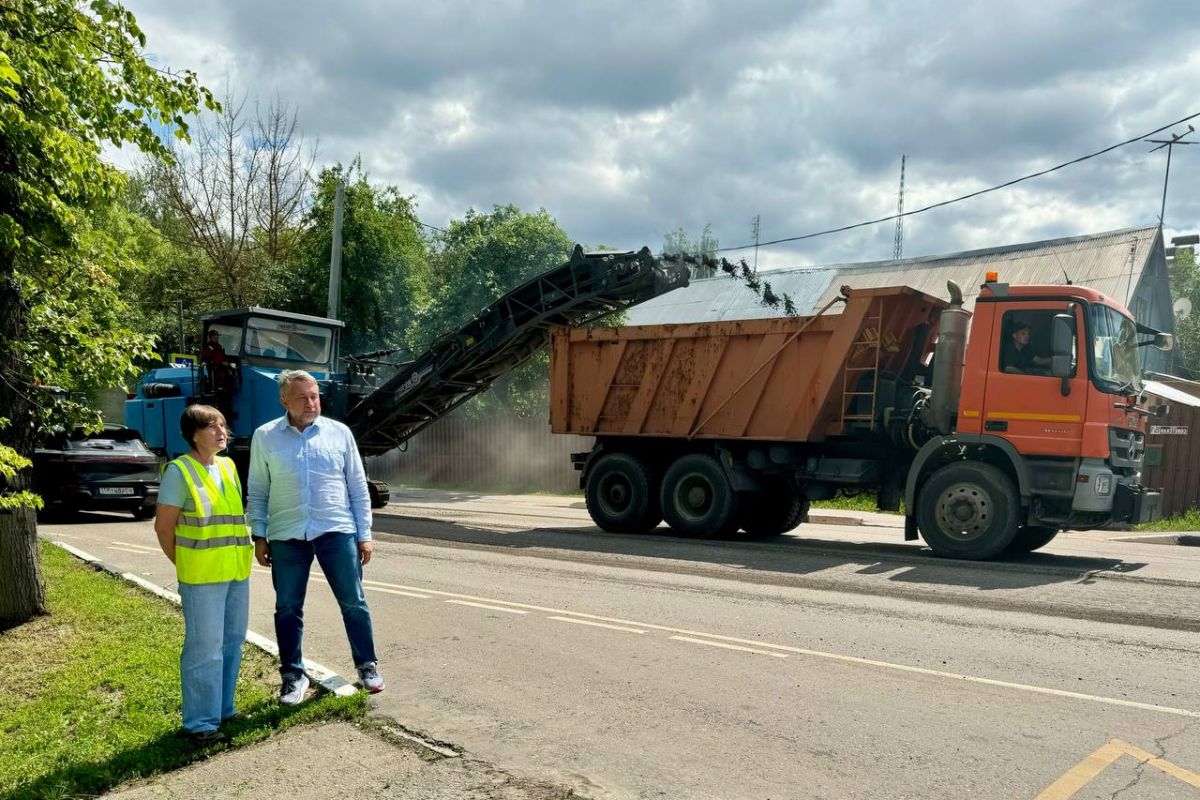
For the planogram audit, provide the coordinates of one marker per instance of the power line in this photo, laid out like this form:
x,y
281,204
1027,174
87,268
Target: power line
x,y
1005,185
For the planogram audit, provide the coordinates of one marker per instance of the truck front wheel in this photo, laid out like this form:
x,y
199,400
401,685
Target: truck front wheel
x,y
697,499
968,510
621,495
1032,537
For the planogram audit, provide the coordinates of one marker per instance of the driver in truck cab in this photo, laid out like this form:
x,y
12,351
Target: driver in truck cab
x,y
1017,356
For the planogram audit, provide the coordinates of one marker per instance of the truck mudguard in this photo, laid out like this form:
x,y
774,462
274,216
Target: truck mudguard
x,y
948,445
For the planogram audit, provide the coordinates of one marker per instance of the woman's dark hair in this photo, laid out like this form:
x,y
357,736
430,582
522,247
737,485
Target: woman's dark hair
x,y
196,418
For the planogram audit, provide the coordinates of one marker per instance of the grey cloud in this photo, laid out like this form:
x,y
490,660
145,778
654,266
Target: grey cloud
x,y
625,120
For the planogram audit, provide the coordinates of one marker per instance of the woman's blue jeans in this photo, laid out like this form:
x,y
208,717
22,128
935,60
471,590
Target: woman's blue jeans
x,y
291,561
215,618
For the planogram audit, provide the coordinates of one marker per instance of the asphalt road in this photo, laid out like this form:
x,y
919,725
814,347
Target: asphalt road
x,y
838,662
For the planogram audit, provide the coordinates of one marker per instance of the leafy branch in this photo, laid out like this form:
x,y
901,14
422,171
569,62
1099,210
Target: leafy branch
x,y
741,271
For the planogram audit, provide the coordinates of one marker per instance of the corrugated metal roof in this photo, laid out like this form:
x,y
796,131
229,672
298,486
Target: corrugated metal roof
x,y
1110,262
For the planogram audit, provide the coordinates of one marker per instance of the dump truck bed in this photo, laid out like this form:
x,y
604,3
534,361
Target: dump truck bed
x,y
784,378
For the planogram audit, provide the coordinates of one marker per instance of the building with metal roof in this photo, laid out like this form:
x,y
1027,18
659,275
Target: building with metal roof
x,y
1129,265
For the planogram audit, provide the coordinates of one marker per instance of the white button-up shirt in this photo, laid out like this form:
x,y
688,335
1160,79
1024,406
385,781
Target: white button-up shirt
x,y
306,483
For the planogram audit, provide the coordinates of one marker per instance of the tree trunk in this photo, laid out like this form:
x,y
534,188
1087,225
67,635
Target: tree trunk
x,y
22,593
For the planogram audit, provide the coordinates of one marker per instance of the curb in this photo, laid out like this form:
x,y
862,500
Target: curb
x,y
1183,539
327,678
828,519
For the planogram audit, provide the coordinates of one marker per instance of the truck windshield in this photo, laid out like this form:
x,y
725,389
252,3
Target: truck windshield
x,y
1114,351
288,341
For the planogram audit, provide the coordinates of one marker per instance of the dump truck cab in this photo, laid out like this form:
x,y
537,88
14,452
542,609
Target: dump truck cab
x,y
1051,399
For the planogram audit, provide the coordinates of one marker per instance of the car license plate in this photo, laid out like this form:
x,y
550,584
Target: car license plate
x,y
116,490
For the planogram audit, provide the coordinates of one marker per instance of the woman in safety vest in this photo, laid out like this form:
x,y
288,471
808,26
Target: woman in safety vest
x,y
201,527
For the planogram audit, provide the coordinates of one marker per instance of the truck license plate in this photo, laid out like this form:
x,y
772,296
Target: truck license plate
x,y
119,490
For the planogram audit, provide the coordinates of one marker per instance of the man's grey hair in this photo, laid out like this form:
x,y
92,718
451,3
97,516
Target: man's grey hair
x,y
290,376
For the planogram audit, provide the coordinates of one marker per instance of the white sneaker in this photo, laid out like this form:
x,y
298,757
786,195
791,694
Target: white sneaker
x,y
369,675
293,689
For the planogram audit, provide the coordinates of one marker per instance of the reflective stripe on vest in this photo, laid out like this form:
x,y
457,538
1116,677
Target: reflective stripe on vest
x,y
212,543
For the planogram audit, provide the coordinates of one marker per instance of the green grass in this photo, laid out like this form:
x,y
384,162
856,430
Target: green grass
x,y
1187,521
91,691
862,502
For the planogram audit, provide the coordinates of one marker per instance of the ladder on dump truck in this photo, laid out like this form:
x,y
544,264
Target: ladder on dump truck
x,y
506,334
860,378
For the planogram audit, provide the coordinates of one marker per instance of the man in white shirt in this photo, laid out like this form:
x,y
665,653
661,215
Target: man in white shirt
x,y
307,497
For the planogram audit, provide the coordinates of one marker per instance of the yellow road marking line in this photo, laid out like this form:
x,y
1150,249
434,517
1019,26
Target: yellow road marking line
x,y
598,624
729,646
1086,770
489,608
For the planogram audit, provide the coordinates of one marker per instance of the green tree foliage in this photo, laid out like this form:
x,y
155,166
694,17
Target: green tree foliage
x,y
72,77
163,281
480,258
385,261
704,248
1185,282
483,256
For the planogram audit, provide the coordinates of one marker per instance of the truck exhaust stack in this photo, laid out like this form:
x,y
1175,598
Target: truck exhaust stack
x,y
948,363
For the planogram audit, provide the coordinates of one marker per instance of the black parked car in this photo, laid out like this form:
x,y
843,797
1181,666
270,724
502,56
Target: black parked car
x,y
111,470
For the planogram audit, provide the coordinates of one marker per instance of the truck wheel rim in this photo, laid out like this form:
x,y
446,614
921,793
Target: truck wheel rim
x,y
693,497
964,511
616,494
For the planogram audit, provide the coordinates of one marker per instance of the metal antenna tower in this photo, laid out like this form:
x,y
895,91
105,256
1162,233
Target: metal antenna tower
x,y
898,247
1170,145
754,227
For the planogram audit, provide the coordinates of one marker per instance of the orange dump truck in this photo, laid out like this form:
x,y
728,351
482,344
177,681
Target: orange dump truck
x,y
996,432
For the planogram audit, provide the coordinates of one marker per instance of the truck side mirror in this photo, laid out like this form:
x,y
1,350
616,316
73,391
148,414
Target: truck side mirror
x,y
1164,342
1062,345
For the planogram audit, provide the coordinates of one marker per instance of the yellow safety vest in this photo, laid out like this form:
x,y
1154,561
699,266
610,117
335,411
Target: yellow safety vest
x,y
212,543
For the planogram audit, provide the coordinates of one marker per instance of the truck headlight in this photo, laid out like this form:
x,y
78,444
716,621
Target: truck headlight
x,y
1103,485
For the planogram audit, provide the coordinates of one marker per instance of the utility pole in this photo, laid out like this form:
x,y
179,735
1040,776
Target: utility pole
x,y
898,245
757,220
335,257
1170,145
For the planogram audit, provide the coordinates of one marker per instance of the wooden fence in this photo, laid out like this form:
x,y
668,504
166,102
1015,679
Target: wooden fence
x,y
498,454
1173,454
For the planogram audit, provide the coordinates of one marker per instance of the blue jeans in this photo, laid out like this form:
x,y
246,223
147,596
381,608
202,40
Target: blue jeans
x,y
291,560
214,618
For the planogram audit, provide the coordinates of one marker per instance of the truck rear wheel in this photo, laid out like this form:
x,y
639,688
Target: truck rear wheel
x,y
697,499
774,512
1031,537
968,510
621,494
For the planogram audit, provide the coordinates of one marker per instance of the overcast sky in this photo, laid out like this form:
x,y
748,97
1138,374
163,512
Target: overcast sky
x,y
625,120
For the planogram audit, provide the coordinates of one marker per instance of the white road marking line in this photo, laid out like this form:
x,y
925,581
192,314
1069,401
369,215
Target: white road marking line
x,y
597,624
366,585
396,592
1022,687
147,548
126,549
729,646
489,608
